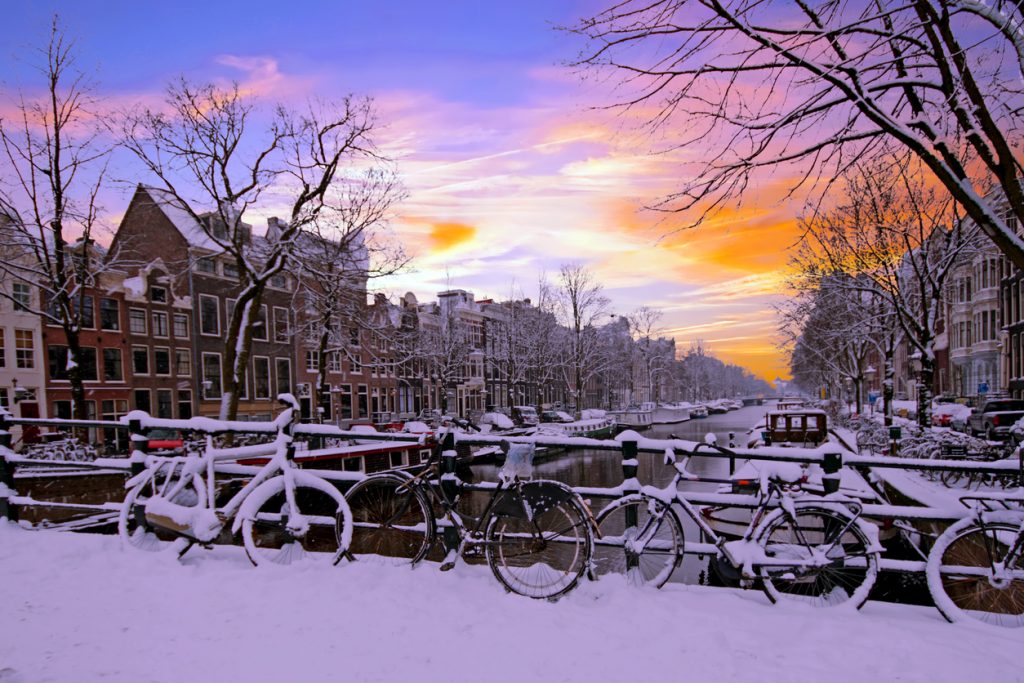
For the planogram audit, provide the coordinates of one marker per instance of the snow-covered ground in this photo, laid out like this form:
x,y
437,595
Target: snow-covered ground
x,y
83,608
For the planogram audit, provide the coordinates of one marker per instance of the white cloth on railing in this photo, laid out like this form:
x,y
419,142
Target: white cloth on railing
x,y
518,462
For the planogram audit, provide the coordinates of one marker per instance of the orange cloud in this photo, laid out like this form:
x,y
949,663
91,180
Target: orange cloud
x,y
444,236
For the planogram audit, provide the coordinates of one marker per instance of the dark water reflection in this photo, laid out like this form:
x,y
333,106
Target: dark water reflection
x,y
604,470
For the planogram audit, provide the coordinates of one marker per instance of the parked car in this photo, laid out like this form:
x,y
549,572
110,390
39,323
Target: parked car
x,y
555,416
994,417
525,415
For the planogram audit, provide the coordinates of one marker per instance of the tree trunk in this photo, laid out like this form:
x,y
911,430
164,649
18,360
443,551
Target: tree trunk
x,y
75,374
322,388
924,392
887,386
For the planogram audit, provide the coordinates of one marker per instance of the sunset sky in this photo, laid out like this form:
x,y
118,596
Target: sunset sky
x,y
510,169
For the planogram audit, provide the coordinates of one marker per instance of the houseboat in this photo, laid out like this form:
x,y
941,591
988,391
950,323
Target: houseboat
x,y
632,418
671,413
591,428
366,456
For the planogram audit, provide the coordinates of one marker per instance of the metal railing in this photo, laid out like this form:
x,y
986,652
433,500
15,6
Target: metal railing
x,y
831,458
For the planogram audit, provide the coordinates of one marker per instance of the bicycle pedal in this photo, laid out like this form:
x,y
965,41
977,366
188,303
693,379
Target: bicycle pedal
x,y
447,566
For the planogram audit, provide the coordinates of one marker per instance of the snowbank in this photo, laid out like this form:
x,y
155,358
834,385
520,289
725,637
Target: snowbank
x,y
82,608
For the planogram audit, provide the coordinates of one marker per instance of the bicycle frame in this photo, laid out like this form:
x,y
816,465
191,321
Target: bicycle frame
x,y
201,471
726,549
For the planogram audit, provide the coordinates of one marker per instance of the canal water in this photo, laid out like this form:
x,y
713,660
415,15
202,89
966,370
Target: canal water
x,y
604,469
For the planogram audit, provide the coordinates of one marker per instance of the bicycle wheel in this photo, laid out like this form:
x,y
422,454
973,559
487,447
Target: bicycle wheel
x,y
542,558
813,532
273,535
640,537
131,522
390,525
967,572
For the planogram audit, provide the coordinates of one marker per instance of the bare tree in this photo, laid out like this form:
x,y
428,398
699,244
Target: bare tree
x,y
209,151
643,325
334,258
751,86
894,237
582,305
49,213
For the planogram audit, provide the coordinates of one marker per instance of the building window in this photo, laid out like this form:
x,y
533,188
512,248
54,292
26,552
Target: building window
x,y
346,402
230,270
364,403
181,325
3,349
140,360
137,321
261,372
279,281
312,361
206,265
113,410
158,295
163,403
283,368
110,314
57,357
24,349
142,400
211,375
184,404
22,295
182,363
281,328
209,315
357,367
112,370
162,361
159,324
259,327
87,320
334,362
87,360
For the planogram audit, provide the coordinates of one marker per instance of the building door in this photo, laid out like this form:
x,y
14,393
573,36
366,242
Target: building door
x,y
30,433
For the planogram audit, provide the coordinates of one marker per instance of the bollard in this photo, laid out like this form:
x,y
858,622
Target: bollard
x,y
140,445
832,465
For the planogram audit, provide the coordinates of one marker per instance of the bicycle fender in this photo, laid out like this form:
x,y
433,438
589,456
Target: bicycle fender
x,y
533,498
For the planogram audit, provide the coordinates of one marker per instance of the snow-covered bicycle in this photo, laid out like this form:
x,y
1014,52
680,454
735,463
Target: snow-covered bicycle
x,y
536,536
975,568
282,513
816,550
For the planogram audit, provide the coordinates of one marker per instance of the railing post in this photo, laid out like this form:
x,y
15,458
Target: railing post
x,y
630,464
140,445
7,510
732,459
832,466
449,485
